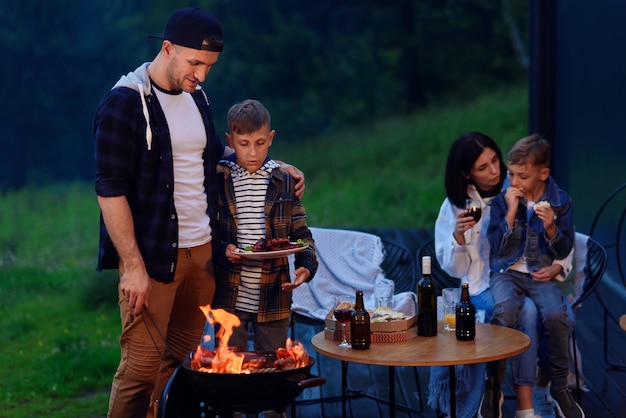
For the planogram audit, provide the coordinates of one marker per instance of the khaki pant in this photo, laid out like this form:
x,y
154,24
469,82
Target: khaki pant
x,y
147,361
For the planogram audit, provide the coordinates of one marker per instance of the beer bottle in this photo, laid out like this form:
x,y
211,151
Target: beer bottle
x,y
426,302
360,324
465,316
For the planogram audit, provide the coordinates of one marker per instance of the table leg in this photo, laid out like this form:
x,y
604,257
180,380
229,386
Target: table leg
x,y
344,372
392,392
496,391
452,372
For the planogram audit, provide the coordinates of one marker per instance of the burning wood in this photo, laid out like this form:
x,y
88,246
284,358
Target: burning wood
x,y
225,360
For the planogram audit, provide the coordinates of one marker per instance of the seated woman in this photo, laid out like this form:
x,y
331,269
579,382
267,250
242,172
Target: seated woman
x,y
475,169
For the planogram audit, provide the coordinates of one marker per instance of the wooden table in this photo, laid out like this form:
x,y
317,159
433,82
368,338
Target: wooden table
x,y
492,342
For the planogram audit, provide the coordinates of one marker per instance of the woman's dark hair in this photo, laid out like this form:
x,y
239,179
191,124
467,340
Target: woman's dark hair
x,y
463,153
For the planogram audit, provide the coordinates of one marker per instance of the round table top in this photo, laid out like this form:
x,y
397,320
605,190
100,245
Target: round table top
x,y
492,342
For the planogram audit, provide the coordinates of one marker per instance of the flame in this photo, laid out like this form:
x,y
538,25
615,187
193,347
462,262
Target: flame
x,y
294,350
225,360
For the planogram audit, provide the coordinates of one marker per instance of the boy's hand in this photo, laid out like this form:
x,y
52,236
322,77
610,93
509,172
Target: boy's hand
x,y
231,255
302,275
546,214
547,273
512,196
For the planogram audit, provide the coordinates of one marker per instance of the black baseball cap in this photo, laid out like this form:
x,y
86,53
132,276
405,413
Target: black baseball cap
x,y
194,28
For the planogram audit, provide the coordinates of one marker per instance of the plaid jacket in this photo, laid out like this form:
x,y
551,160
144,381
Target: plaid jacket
x,y
285,217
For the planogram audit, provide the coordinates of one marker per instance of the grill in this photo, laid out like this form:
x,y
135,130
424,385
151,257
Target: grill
x,y
193,393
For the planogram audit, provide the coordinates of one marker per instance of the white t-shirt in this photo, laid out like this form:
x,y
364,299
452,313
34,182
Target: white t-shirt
x,y
188,138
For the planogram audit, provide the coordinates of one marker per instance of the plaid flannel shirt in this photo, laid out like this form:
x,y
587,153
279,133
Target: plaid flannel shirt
x,y
126,166
285,217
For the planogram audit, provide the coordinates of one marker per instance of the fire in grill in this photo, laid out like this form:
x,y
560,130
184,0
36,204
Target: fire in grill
x,y
224,381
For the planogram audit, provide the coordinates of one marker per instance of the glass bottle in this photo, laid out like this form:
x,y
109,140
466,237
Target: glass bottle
x,y
360,325
465,316
426,301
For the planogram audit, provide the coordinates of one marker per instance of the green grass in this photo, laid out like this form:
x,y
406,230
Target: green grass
x,y
390,173
59,320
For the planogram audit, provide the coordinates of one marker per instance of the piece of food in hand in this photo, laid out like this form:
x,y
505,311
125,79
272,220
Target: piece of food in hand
x,y
260,245
541,204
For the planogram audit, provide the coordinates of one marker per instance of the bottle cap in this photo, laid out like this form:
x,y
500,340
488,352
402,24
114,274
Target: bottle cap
x,y
426,264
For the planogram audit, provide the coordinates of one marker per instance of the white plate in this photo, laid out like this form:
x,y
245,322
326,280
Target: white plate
x,y
262,255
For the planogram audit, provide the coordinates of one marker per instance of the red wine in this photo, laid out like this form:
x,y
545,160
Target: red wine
x,y
343,315
475,213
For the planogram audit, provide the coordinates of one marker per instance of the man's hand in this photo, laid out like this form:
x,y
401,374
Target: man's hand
x,y
135,286
297,175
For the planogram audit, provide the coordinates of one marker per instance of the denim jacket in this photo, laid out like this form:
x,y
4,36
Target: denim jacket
x,y
527,238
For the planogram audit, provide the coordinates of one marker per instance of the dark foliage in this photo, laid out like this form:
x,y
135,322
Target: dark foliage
x,y
315,65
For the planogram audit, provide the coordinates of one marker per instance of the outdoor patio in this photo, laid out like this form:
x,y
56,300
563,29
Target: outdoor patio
x,y
607,386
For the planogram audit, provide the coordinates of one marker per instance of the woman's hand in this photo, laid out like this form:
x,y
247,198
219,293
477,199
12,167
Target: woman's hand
x,y
463,223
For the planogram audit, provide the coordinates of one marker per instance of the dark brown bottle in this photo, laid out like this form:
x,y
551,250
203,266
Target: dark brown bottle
x,y
426,302
360,336
465,316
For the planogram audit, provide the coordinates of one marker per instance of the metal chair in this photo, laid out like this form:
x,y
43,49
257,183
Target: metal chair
x,y
610,221
594,268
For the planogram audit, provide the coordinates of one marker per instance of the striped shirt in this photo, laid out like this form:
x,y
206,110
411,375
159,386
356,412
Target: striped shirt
x,y
250,190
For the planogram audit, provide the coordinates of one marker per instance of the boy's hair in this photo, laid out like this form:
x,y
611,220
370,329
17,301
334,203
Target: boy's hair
x,y
248,116
531,149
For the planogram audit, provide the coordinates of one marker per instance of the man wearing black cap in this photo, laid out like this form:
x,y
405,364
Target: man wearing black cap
x,y
156,153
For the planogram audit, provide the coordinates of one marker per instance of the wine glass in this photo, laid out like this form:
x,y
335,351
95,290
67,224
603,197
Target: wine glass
x,y
344,305
474,209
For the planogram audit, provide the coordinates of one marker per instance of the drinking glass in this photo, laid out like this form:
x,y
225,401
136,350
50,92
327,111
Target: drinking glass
x,y
474,209
344,305
383,293
451,296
